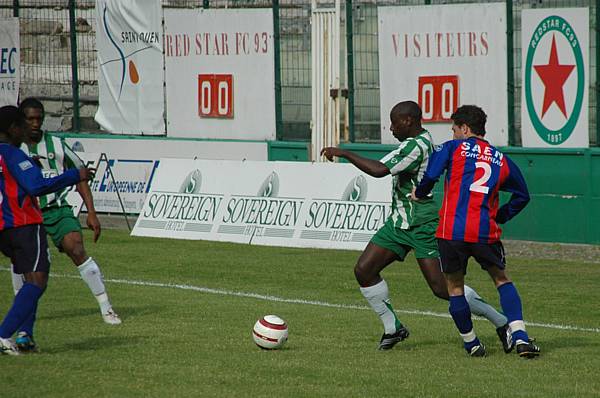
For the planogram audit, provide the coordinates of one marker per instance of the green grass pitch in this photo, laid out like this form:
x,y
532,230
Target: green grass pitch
x,y
188,308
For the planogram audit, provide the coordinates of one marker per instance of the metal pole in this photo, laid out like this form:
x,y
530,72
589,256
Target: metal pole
x,y
112,179
350,67
510,78
15,8
277,60
597,73
74,77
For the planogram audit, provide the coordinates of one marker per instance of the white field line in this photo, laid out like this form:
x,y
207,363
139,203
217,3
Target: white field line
x,y
299,301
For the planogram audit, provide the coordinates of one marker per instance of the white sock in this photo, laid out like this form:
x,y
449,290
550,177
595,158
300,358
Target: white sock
x,y
468,337
90,273
378,297
17,280
481,308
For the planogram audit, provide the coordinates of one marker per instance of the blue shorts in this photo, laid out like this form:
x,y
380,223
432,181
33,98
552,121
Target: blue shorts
x,y
454,255
27,248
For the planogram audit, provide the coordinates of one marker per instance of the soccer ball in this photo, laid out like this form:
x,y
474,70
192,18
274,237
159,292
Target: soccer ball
x,y
270,332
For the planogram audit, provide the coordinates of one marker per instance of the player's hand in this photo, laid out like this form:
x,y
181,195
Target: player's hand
x,y
86,173
93,223
330,152
413,197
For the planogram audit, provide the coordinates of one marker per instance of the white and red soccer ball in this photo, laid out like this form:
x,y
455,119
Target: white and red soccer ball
x,y
270,332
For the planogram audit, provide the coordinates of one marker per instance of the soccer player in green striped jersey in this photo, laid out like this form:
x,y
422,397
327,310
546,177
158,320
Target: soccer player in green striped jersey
x,y
60,222
411,226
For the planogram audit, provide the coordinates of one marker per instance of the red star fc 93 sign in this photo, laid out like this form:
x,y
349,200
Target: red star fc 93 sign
x,y
554,108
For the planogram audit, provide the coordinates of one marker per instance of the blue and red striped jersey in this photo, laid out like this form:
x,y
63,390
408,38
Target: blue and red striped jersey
x,y
21,180
475,173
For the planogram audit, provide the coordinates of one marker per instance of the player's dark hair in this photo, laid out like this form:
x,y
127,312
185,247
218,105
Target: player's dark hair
x,y
31,102
407,108
9,116
472,116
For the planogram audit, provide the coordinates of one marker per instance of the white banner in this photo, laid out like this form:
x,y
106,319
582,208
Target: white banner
x,y
267,203
10,61
444,56
155,148
130,61
132,178
133,162
220,73
555,59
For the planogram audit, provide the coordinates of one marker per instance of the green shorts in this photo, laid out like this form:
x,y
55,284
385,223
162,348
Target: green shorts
x,y
60,221
421,238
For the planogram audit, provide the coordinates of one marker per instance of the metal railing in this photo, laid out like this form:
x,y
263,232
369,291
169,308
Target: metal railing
x,y
59,63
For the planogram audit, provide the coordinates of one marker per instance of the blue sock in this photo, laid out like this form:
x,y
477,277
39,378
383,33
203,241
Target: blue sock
x,y
461,314
512,308
23,306
27,326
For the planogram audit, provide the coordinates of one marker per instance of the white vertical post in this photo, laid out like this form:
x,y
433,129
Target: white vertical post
x,y
325,50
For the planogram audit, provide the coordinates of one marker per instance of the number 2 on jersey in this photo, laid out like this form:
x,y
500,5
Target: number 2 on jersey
x,y
479,185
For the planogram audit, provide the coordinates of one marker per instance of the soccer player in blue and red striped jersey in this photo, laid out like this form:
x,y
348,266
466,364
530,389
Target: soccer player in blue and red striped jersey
x,y
22,235
469,220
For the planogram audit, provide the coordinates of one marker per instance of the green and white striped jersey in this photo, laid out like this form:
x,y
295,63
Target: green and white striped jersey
x,y
55,157
407,165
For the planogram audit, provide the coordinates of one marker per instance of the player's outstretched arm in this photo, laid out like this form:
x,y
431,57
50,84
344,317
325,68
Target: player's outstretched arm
x,y
438,162
29,175
372,167
92,221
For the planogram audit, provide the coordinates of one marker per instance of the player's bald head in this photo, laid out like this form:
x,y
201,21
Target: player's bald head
x,y
406,108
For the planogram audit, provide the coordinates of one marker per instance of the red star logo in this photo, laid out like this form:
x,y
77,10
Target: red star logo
x,y
554,76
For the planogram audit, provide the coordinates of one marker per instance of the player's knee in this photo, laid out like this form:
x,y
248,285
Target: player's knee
x,y
363,272
39,279
77,254
440,291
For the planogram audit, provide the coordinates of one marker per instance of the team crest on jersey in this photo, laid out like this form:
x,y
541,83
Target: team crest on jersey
x,y
437,148
25,165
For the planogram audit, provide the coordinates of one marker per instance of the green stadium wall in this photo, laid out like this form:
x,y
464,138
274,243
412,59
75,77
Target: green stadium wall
x,y
564,185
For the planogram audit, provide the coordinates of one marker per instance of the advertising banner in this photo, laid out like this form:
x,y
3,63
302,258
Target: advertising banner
x,y
130,62
267,203
442,57
10,61
73,198
155,148
132,177
555,59
220,73
134,161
